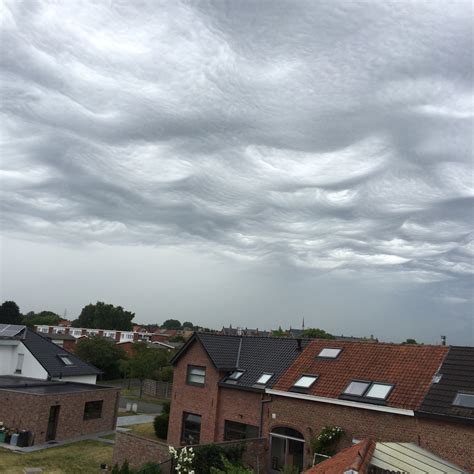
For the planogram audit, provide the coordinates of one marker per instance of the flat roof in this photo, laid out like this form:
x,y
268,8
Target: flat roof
x,y
45,387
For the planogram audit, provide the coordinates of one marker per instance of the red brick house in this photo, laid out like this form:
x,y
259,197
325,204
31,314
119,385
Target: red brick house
x,y
287,390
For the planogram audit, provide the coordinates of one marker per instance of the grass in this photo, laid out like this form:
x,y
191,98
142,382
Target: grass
x,y
110,436
85,456
145,429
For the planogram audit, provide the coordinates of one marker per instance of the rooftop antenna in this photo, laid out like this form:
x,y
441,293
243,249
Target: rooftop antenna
x,y
303,324
443,340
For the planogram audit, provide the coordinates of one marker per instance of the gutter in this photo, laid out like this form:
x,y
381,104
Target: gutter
x,y
260,428
337,401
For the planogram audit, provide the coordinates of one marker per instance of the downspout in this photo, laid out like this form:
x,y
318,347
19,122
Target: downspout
x,y
260,428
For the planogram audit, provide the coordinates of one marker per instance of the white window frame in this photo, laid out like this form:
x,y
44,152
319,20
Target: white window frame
x,y
330,352
305,381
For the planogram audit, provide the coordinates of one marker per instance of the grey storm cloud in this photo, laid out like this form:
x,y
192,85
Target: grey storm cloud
x,y
329,136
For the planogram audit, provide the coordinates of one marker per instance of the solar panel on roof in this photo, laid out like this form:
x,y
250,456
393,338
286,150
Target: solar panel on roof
x,y
10,330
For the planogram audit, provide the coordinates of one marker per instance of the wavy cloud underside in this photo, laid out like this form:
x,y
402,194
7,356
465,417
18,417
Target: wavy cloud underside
x,y
327,136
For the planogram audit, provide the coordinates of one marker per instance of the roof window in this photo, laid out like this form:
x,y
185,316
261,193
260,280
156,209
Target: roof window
x,y
305,381
374,390
66,360
330,352
235,375
264,378
465,400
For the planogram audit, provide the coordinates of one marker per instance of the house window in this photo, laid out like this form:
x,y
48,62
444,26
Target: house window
x,y
329,353
93,410
191,428
66,360
464,400
264,378
196,375
305,381
235,375
235,431
19,363
379,390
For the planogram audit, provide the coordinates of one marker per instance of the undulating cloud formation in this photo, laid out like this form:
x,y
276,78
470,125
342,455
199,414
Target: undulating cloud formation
x,y
323,138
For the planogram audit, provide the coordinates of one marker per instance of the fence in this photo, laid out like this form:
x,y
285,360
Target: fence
x,y
138,451
157,389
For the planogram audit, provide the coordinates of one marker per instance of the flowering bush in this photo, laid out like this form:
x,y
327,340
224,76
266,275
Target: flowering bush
x,y
183,460
326,442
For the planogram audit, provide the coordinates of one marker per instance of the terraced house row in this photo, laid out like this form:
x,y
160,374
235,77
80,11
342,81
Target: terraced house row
x,y
417,397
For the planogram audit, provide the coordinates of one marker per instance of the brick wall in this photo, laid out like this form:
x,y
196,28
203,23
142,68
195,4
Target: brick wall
x,y
198,400
138,451
31,412
454,442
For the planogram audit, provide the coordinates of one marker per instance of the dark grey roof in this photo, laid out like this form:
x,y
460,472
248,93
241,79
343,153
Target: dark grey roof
x,y
230,331
59,337
45,387
254,355
457,375
47,354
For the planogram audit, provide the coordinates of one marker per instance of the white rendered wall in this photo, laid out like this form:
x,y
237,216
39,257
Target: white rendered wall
x,y
9,357
92,379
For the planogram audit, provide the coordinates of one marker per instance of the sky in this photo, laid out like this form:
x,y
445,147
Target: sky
x,y
250,163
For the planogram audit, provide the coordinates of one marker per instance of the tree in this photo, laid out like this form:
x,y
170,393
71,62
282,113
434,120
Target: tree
x,y
410,341
104,316
316,333
161,421
47,318
146,363
10,313
279,332
101,353
188,325
171,324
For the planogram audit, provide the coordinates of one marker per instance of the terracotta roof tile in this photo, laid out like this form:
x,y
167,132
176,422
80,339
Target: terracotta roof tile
x,y
356,457
409,367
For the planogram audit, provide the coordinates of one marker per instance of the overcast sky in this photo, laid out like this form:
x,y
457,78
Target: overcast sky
x,y
245,162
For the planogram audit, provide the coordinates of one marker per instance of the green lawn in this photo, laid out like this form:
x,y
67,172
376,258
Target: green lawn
x,y
145,429
82,457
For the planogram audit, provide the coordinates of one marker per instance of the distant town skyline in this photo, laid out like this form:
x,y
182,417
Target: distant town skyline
x,y
250,163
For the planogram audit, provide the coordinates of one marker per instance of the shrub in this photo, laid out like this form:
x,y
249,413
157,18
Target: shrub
x,y
230,468
211,455
326,442
149,468
160,424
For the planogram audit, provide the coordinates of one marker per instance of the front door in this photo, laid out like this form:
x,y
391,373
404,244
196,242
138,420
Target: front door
x,y
52,422
286,449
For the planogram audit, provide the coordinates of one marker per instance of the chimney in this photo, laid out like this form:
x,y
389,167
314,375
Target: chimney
x,y
298,342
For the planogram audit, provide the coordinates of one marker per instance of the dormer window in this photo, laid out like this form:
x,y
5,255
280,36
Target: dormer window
x,y
66,360
465,400
264,379
305,381
330,353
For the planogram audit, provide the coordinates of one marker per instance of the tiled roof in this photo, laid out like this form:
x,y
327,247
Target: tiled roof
x,y
457,375
252,354
47,353
356,458
409,367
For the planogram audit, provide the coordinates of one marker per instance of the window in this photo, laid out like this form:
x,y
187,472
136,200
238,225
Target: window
x,y
19,363
235,375
379,390
464,400
235,431
66,360
305,381
329,353
357,388
264,378
196,375
374,390
191,430
93,410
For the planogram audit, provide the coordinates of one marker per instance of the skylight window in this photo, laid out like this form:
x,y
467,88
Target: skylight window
x,y
264,378
66,360
378,390
236,375
330,352
465,400
356,388
305,381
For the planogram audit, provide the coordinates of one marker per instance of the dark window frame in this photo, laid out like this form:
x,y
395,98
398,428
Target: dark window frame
x,y
364,397
93,410
238,427
295,388
184,438
188,373
458,405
